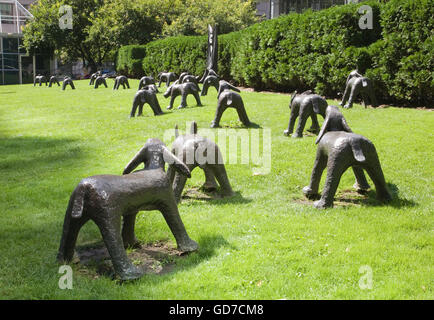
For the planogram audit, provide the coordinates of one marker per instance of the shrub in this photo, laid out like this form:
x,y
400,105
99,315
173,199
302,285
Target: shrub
x,y
129,60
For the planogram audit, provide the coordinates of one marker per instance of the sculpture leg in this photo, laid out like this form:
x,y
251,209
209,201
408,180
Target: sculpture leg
x,y
178,185
294,114
345,96
218,115
204,91
183,101
110,228
58,84
159,83
128,235
219,171
311,191
128,84
155,106
242,114
105,83
196,96
361,184
63,86
353,95
300,126
141,104
315,125
172,99
71,227
210,182
72,85
169,209
372,97
115,85
134,108
376,173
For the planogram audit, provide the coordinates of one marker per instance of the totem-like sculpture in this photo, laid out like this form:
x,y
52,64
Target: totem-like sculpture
x,y
68,81
212,53
230,99
53,80
303,106
40,79
166,76
146,95
99,81
108,199
121,80
356,85
147,81
183,89
210,81
338,149
196,151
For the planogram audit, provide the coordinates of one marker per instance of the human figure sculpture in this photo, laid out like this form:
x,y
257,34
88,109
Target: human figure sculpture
x,y
93,77
230,99
338,149
147,81
68,81
212,53
224,85
146,95
303,106
100,80
183,90
166,76
108,199
121,80
358,85
53,79
210,81
40,79
196,151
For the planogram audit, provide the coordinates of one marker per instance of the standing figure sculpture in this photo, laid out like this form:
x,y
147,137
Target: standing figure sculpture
x,y
109,199
40,79
356,85
303,106
183,90
53,79
196,151
68,81
121,80
212,53
146,95
230,99
166,76
99,81
338,149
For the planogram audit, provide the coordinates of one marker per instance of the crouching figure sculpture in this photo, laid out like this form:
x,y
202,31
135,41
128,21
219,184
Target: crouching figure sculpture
x,y
146,95
183,89
358,85
338,149
196,151
106,199
53,80
68,81
40,79
100,80
303,106
230,99
121,80
166,76
147,81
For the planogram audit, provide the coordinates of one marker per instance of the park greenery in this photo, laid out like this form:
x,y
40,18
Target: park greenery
x,y
266,242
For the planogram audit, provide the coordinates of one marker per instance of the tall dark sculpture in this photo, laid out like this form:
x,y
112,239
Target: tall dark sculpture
x,y
338,149
147,81
188,148
212,52
68,81
166,76
106,199
100,80
40,79
230,99
183,89
121,80
210,81
224,85
356,85
305,105
146,95
53,79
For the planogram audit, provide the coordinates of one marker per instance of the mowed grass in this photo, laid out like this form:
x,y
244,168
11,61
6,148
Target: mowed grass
x,y
267,242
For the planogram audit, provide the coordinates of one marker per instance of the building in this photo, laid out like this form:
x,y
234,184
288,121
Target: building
x,y
273,8
15,65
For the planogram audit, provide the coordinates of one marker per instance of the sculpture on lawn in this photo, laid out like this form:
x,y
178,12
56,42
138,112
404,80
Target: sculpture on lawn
x,y
100,80
183,89
210,81
94,76
68,81
212,53
108,199
230,99
196,151
224,85
40,79
338,149
146,95
121,80
303,106
356,85
147,81
53,80
166,76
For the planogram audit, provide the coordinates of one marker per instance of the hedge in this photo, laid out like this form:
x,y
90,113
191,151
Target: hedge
x,y
129,60
317,50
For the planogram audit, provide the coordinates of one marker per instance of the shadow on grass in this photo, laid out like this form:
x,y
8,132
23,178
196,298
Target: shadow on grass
x,y
195,195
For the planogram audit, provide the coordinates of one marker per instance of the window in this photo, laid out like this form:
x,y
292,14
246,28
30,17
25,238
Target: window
x,y
7,12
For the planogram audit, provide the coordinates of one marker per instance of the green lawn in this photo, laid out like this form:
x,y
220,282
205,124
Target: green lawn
x,y
267,242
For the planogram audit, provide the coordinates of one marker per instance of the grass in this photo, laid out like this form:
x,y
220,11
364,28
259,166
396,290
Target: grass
x,y
267,242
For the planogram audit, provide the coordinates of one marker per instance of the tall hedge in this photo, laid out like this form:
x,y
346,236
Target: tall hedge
x,y
317,50
129,60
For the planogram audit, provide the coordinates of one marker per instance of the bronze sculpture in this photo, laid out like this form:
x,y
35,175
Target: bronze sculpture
x,y
121,80
147,81
303,106
230,99
107,199
146,95
100,80
211,54
183,89
53,79
40,79
338,149
210,81
167,76
196,151
68,81
356,85
94,76
224,85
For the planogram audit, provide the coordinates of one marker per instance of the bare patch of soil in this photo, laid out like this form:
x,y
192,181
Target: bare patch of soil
x,y
344,198
200,194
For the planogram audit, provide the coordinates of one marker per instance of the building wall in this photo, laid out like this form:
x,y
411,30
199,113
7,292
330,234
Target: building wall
x,y
274,8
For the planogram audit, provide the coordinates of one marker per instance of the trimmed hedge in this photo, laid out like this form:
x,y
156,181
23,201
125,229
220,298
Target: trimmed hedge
x,y
317,50
129,60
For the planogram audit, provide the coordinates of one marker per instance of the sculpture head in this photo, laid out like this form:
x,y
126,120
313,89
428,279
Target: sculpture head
x,y
334,121
292,98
